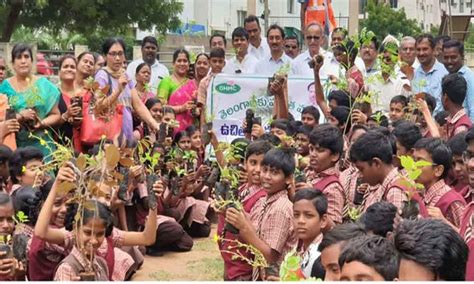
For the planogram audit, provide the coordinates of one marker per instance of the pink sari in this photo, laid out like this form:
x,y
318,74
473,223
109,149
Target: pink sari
x,y
182,95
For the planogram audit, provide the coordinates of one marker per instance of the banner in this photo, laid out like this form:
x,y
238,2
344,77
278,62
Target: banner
x,y
229,96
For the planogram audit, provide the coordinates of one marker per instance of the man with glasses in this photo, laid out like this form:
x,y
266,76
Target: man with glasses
x,y
258,46
314,38
292,46
149,52
368,63
277,59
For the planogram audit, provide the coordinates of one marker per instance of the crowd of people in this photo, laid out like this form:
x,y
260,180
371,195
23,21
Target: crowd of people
x,y
373,182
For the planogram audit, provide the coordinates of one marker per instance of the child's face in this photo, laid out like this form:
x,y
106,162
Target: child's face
x,y
412,271
330,262
273,180
7,224
396,112
370,172
185,143
196,142
168,117
470,163
156,112
358,271
30,171
302,144
308,120
321,159
429,174
307,221
91,235
280,133
253,166
58,213
459,169
217,64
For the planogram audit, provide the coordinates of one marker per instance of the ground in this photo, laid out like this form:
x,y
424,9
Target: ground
x,y
202,263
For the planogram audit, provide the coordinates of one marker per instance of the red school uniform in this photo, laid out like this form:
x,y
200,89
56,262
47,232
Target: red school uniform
x,y
467,232
457,123
238,269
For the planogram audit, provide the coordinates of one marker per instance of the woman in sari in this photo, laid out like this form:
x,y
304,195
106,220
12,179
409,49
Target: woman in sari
x,y
34,99
183,95
85,67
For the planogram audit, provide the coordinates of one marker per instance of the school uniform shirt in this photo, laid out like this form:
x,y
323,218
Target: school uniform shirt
x,y
247,66
158,72
272,218
301,68
262,51
66,273
385,90
348,179
333,192
268,66
433,194
388,191
452,127
430,82
310,255
467,193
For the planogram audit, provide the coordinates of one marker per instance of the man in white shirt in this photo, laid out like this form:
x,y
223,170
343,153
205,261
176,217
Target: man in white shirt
x,y
242,62
158,70
258,46
314,37
218,41
277,59
368,63
407,53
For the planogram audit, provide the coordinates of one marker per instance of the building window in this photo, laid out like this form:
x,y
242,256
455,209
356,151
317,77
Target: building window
x,y
291,5
461,6
394,4
241,15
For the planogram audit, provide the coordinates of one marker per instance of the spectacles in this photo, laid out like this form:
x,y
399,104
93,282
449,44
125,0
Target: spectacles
x,y
115,54
313,38
291,46
467,156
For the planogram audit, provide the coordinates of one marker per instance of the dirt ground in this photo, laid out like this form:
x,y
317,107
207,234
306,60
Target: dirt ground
x,y
202,263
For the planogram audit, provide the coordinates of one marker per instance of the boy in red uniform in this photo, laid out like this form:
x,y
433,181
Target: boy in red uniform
x,y
454,88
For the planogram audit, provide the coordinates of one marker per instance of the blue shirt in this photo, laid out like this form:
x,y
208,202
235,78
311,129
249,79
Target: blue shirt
x,y
430,82
469,100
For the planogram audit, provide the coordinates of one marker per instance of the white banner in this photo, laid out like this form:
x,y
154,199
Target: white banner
x,y
229,96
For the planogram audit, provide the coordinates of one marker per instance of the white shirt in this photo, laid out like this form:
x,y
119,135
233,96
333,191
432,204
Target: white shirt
x,y
262,51
386,90
333,67
247,66
366,72
300,65
268,66
158,72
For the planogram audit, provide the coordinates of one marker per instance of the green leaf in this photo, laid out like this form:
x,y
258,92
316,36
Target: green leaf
x,y
423,163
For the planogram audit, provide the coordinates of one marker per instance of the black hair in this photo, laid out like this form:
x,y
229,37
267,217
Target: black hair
x,y
5,199
178,136
149,39
399,100
313,111
374,251
276,27
370,145
456,44
328,137
273,139
458,144
430,101
293,37
428,37
441,117
94,55
177,52
341,97
470,135
218,35
441,38
341,233
304,129
240,32
407,133
240,147
251,18
434,245
5,153
151,102
439,152
19,159
381,121
340,30
111,41
28,200
341,114
19,48
379,218
281,159
168,109
317,198
102,212
201,54
140,66
64,57
454,86
258,148
217,52
284,125
191,129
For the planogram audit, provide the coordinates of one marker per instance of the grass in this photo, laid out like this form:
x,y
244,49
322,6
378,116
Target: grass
x,y
209,269
160,275
207,244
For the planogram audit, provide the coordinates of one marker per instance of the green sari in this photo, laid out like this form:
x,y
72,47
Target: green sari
x,y
42,97
167,87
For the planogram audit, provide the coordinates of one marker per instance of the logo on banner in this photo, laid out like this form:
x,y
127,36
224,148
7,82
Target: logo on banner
x,y
228,89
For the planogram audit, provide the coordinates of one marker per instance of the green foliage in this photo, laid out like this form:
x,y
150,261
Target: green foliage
x,y
21,217
412,172
384,20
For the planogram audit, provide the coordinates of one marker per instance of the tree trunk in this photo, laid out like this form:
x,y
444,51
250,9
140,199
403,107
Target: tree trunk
x,y
15,8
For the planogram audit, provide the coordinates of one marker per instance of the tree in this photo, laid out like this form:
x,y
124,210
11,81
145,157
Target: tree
x,y
88,16
383,20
